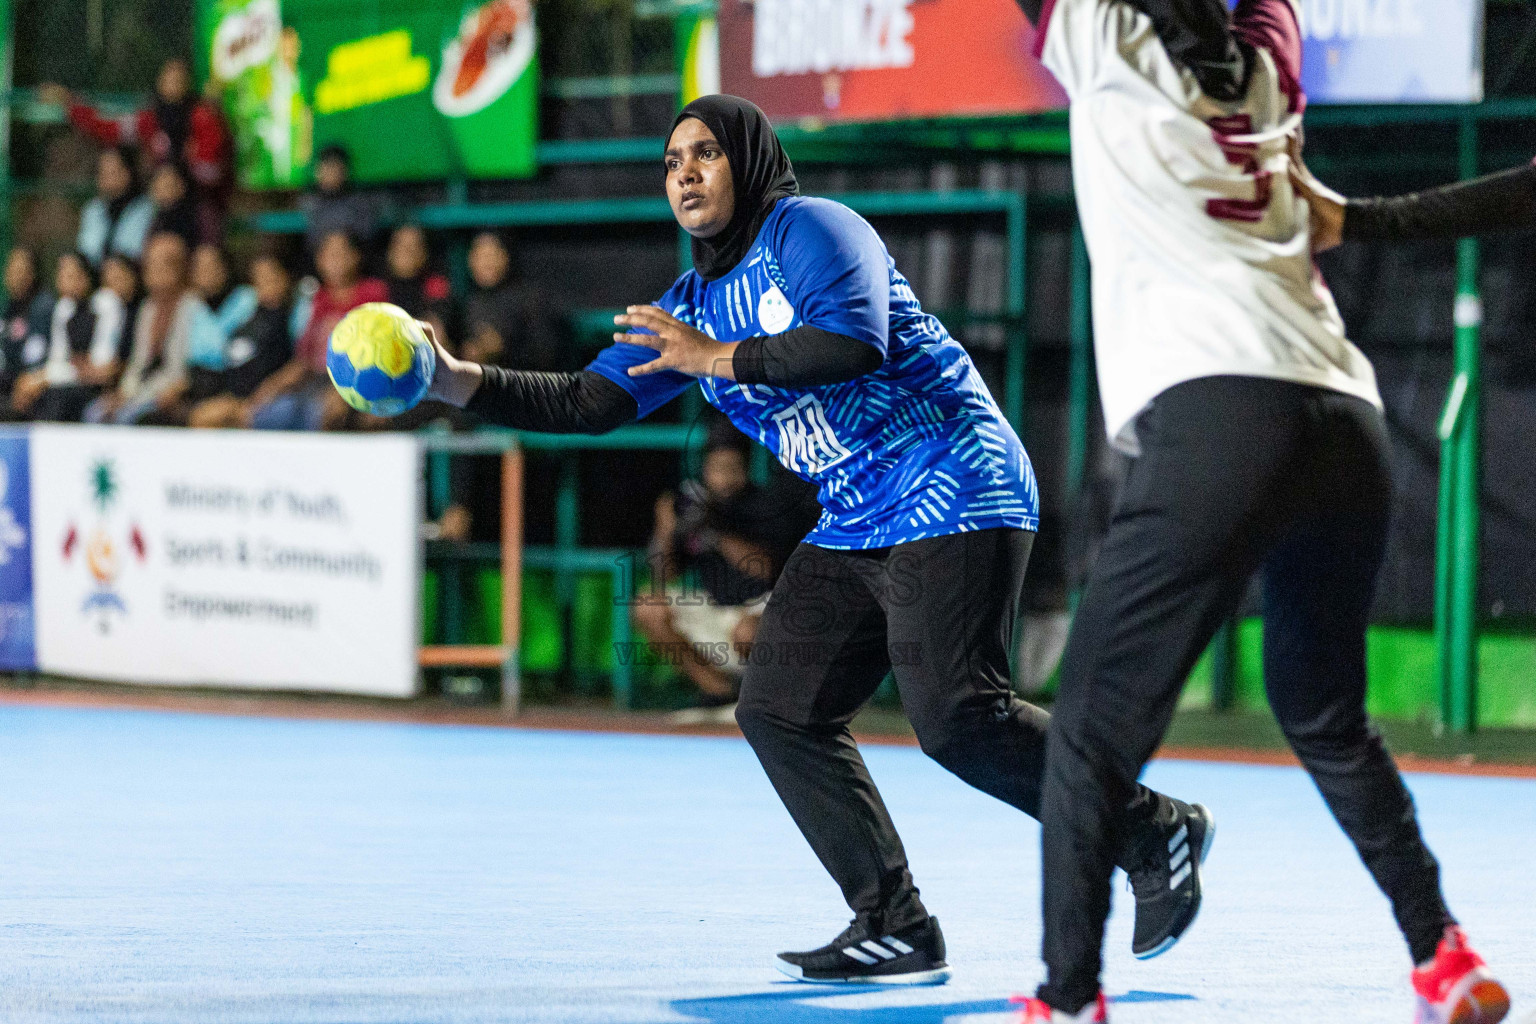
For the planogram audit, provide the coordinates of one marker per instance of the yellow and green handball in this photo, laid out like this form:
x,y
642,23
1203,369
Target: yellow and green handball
x,y
380,359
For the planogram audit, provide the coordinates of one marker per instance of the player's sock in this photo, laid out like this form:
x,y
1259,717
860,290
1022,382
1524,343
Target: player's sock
x,y
1167,852
1456,987
1038,1011
866,955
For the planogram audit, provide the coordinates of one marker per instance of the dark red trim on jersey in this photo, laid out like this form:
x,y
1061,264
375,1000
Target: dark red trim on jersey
x,y
1271,25
1246,211
1244,155
1042,27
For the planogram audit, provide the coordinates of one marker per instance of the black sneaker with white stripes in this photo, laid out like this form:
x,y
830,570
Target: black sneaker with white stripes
x,y
864,955
1168,853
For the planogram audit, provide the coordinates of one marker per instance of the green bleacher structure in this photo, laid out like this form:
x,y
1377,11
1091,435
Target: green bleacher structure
x,y
1042,135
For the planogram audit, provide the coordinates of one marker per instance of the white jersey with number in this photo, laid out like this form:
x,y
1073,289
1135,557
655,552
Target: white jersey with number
x,y
1200,247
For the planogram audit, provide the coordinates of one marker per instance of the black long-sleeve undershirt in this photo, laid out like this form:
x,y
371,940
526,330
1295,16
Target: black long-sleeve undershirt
x,y
590,403
552,403
805,357
1505,201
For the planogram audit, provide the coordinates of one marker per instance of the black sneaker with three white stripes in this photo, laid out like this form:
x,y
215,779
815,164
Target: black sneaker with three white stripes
x,y
1168,852
864,955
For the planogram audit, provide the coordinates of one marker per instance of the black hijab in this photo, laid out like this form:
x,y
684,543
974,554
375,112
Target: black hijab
x,y
760,171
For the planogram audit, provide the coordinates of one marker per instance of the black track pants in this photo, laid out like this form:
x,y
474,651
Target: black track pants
x,y
1236,474
939,614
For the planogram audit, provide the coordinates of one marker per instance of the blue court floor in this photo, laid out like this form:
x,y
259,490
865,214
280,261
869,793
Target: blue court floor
x,y
172,868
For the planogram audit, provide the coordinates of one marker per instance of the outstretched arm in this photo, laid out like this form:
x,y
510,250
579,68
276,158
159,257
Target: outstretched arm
x,y
106,131
554,403
1498,202
1505,201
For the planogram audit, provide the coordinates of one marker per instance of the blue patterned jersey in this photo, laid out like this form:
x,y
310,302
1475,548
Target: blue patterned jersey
x,y
916,449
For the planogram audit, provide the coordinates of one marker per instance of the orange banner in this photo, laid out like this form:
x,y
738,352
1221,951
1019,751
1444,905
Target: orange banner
x,y
876,60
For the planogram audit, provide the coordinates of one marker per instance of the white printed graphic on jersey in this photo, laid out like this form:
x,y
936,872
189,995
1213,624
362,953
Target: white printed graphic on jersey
x,y
774,313
806,441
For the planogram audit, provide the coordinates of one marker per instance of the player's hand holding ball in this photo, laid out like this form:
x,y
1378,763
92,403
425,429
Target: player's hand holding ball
x,y
678,346
381,360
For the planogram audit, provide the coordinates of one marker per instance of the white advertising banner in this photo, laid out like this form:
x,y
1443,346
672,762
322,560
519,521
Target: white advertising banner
x,y
227,558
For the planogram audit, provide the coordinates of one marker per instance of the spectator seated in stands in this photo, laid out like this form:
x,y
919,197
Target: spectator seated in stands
x,y
231,304
724,530
25,299
175,212
171,322
335,205
299,396
174,126
213,278
28,311
120,275
504,324
425,295
85,333
413,285
117,219
258,349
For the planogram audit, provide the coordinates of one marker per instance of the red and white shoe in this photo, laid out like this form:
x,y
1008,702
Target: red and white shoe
x,y
1456,987
1037,1011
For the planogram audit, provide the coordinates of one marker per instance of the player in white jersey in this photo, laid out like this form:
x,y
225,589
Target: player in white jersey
x,y
1200,248
1224,367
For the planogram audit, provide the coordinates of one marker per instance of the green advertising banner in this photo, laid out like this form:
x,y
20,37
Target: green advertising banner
x,y
415,89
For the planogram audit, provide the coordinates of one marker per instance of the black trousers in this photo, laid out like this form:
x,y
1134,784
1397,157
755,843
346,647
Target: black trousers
x,y
1236,474
939,614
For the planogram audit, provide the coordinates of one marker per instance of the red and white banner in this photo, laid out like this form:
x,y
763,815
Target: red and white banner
x,y
873,60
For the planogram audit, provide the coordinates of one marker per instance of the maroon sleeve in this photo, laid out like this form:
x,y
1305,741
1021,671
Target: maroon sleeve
x,y
207,147
1271,25
1042,24
108,131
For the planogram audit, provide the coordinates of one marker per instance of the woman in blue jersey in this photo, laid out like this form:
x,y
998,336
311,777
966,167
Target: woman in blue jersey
x,y
796,324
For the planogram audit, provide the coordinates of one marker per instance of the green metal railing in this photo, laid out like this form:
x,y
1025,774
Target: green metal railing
x,y
1012,206
564,558
1456,549
1457,562
1457,568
